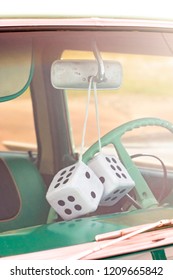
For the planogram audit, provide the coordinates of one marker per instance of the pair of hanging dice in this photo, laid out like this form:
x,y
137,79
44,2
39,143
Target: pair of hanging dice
x,y
79,189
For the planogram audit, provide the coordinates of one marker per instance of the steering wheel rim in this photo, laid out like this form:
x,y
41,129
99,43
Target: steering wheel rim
x,y
144,195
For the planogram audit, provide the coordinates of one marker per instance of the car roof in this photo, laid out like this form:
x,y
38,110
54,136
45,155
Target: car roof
x,y
148,9
110,13
85,22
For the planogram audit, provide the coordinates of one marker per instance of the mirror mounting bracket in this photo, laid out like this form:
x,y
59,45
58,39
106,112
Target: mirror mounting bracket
x,y
100,77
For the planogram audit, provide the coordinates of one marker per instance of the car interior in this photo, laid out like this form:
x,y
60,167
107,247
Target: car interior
x,y
34,59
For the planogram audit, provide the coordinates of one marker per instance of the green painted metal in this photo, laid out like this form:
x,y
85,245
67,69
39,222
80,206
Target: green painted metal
x,y
159,255
34,207
73,232
144,195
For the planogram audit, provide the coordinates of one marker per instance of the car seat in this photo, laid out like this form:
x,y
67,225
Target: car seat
x,y
22,194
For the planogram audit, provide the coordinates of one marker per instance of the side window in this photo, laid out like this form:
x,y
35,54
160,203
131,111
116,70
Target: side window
x,y
17,130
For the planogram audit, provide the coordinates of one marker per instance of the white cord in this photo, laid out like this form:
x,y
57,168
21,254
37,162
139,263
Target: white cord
x,y
86,118
97,114
91,81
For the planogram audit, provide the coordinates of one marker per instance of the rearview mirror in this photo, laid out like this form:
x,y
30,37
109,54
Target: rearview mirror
x,y
74,74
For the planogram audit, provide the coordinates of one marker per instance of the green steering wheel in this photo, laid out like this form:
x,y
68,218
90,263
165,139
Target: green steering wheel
x,y
143,193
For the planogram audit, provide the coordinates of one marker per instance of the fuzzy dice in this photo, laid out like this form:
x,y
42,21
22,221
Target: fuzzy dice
x,y
114,177
75,191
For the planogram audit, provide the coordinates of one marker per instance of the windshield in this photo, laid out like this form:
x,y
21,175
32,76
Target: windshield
x,y
146,89
51,120
86,132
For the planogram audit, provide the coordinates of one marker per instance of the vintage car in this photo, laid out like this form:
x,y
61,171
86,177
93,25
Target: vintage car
x,y
86,144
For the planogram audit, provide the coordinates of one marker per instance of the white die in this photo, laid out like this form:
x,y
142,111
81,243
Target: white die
x,y
75,191
114,177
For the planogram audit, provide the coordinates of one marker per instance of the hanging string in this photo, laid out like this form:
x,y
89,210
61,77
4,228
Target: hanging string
x,y
86,118
91,81
97,114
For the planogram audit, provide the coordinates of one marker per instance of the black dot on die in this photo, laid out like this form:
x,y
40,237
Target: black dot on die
x,y
65,181
116,191
62,173
68,211
122,190
87,175
71,198
93,194
78,207
108,198
118,175
102,179
68,175
124,175
114,198
57,185
72,168
113,167
119,168
108,159
61,202
114,160
60,178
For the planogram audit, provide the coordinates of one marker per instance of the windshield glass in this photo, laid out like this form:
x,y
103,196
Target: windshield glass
x,y
48,159
17,124
146,89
